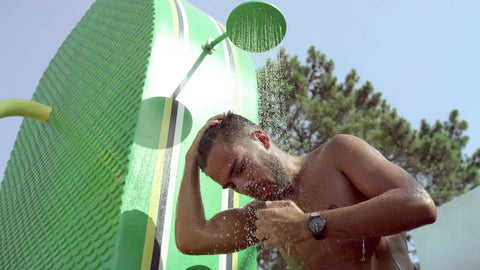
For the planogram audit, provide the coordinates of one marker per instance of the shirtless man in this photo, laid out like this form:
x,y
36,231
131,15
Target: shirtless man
x,y
342,206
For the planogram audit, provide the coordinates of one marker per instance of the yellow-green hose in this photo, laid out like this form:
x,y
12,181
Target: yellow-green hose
x,y
25,108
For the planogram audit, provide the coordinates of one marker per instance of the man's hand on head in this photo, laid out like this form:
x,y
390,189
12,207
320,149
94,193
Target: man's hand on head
x,y
281,223
193,151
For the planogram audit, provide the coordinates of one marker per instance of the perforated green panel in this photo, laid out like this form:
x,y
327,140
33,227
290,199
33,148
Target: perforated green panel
x,y
61,193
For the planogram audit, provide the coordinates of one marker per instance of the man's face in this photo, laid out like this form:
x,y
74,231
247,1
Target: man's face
x,y
249,170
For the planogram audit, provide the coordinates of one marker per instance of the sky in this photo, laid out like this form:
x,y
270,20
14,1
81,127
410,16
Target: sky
x,y
421,55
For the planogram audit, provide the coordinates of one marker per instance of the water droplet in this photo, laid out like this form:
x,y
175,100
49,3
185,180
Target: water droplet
x,y
364,250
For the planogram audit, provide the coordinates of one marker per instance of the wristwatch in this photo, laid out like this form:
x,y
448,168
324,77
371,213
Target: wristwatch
x,y
316,224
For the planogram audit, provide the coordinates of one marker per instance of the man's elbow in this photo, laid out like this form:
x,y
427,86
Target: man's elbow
x,y
426,210
185,244
431,212
191,242
185,249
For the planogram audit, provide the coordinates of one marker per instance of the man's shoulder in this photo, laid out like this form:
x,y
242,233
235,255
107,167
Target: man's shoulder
x,y
343,139
336,141
338,146
341,142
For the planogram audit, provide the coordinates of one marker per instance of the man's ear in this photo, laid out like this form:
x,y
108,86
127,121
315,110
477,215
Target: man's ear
x,y
262,137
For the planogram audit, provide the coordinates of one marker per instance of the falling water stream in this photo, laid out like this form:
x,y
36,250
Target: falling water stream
x,y
274,107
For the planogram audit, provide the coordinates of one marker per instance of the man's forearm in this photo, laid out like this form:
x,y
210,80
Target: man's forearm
x,y
190,213
228,231
394,211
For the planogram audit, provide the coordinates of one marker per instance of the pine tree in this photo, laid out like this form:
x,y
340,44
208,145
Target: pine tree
x,y
303,105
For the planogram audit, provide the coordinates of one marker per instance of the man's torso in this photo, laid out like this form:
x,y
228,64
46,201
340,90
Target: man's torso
x,y
322,187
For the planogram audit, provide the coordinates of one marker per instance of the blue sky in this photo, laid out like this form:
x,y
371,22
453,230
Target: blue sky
x,y
421,55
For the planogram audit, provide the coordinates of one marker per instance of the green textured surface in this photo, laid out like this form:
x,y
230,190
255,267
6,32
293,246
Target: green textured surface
x,y
78,191
61,193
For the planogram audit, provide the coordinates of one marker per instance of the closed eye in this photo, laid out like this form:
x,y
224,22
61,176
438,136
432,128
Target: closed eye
x,y
237,168
240,168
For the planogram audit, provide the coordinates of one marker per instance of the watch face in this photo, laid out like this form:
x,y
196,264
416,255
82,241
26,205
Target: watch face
x,y
316,223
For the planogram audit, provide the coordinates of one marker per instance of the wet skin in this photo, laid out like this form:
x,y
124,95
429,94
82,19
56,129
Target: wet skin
x,y
319,186
360,194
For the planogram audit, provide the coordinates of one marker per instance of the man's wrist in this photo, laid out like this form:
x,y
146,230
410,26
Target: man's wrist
x,y
191,156
191,161
316,225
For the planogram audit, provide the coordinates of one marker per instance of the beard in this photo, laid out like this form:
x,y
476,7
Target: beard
x,y
278,183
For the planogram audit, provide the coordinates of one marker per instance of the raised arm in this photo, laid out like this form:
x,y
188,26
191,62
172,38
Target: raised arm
x,y
396,201
226,232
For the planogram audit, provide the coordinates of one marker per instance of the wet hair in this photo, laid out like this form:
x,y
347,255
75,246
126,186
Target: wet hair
x,y
232,129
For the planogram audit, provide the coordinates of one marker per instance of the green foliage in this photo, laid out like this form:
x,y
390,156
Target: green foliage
x,y
303,105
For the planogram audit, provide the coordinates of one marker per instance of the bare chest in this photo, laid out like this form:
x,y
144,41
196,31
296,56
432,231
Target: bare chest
x,y
323,187
330,254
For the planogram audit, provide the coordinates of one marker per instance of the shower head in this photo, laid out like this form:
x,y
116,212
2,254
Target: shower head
x,y
256,26
253,26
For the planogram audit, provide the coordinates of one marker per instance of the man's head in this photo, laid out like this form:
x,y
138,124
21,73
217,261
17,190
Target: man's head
x,y
232,129
236,154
